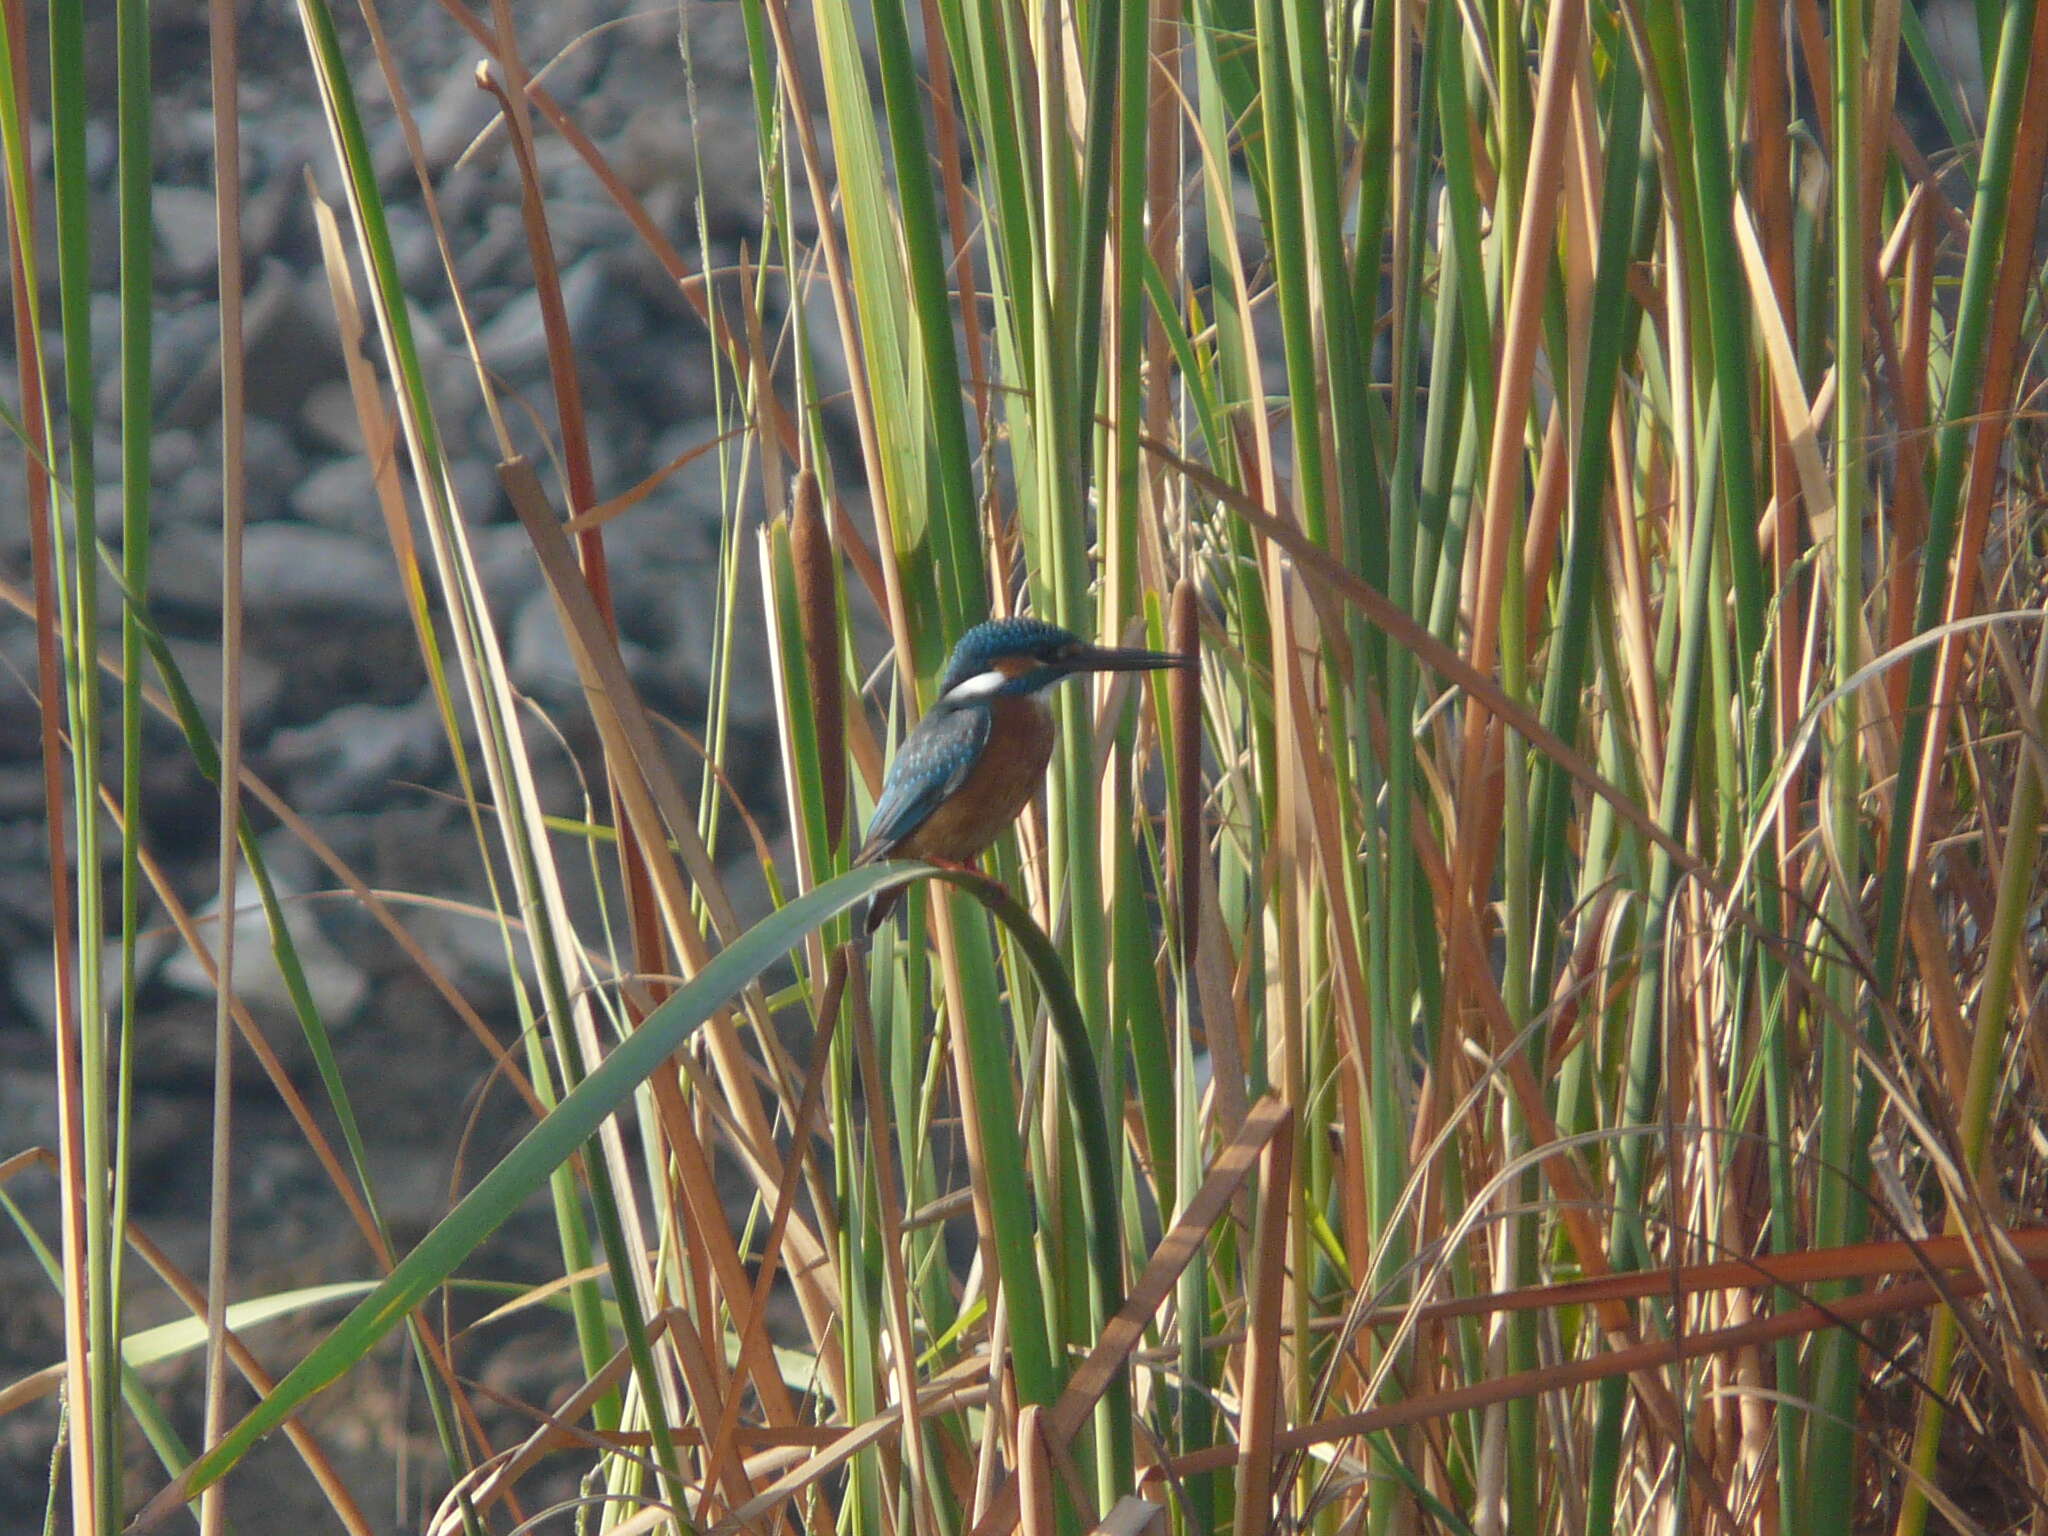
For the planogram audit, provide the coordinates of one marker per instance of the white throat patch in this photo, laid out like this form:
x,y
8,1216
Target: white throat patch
x,y
983,685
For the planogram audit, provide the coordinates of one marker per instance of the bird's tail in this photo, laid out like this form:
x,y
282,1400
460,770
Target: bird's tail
x,y
880,905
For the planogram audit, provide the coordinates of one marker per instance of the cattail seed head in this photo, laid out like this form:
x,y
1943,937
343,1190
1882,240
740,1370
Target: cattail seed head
x,y
817,593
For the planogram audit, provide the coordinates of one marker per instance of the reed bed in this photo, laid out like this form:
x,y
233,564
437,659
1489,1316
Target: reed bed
x,y
1541,1033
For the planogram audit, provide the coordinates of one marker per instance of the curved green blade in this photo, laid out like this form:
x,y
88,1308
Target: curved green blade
x,y
527,1166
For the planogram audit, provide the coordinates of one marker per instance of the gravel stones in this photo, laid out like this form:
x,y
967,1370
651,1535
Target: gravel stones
x,y
184,234
289,571
340,494
353,758
334,985
336,711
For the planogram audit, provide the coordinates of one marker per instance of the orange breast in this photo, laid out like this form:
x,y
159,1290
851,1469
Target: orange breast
x,y
1008,774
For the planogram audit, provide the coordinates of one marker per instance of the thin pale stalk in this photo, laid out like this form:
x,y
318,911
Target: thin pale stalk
x,y
90,1252
227,159
137,240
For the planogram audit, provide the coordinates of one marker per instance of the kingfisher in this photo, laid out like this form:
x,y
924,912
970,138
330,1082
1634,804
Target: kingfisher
x,y
974,761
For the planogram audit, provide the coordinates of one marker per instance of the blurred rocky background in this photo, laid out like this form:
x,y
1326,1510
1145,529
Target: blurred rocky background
x,y
337,714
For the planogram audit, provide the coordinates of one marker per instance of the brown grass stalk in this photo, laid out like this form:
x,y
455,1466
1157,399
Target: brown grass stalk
x,y
69,1043
1259,1418
1865,1307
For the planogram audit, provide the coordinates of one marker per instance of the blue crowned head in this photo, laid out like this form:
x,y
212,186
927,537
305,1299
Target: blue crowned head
x,y
1020,656
1021,648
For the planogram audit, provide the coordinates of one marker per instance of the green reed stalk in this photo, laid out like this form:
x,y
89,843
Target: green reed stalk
x,y
1831,1435
96,1496
138,243
957,545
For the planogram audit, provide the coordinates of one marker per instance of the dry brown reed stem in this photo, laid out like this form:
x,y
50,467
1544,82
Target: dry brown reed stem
x,y
1121,1337
1539,204
961,1387
1320,796
1850,1312
1908,521
28,363
1036,1506
653,801
817,603
1795,1272
1545,528
642,914
1259,1421
698,1210
2002,354
721,1462
563,374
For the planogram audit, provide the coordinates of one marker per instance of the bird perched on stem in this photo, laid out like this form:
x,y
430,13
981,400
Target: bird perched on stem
x,y
975,760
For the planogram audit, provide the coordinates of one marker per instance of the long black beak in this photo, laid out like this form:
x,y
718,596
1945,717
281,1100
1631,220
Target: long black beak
x,y
1102,658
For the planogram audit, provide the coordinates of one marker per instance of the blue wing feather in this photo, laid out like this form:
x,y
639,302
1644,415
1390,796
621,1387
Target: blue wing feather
x,y
932,763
